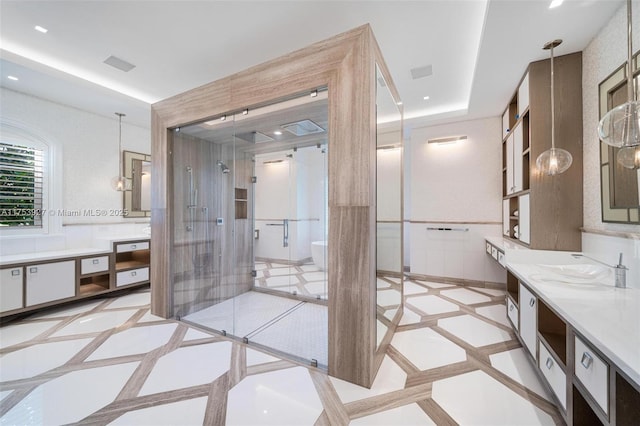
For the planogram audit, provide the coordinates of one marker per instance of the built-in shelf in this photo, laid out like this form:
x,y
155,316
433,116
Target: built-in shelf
x,y
583,414
241,203
96,284
627,406
124,264
552,330
513,287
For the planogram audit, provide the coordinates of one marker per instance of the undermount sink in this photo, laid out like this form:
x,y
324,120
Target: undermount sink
x,y
583,274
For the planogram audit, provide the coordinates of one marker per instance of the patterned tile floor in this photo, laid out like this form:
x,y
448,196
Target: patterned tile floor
x,y
453,360
307,279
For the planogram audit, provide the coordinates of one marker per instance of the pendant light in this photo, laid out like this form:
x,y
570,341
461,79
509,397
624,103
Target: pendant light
x,y
620,127
119,183
629,157
555,160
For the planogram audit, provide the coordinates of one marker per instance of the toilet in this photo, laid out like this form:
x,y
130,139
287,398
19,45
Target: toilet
x,y
318,252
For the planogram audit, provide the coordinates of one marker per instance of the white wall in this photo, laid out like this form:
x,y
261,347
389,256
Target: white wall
x,y
89,147
606,52
456,186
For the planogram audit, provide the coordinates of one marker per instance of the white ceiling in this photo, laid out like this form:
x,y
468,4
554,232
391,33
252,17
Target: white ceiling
x,y
478,49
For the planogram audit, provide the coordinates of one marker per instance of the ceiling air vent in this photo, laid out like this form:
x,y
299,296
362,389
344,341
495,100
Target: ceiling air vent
x,y
421,72
118,63
302,128
261,137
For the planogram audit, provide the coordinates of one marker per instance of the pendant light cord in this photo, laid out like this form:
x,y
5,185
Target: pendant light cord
x,y
630,91
553,105
120,115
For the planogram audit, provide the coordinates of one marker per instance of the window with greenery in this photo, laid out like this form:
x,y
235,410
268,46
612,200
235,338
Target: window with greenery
x,y
21,183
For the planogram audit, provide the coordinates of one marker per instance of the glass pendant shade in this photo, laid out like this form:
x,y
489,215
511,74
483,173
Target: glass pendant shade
x,y
629,157
554,161
620,127
120,183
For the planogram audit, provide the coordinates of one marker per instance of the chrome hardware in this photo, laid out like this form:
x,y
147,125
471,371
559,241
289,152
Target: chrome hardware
x,y
587,360
511,307
532,301
619,269
448,229
133,273
549,363
95,261
33,270
15,272
133,246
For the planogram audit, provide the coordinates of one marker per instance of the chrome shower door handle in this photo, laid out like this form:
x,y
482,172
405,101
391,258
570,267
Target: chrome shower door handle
x,y
285,232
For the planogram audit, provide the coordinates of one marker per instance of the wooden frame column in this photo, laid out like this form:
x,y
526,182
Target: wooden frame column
x,y
346,65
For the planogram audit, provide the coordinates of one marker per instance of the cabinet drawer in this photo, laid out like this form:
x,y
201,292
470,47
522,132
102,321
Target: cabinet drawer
x,y
132,276
11,289
50,281
554,374
488,248
593,373
123,248
501,259
94,264
512,313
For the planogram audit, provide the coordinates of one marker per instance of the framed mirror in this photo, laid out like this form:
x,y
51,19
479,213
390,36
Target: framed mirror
x,y
619,186
137,196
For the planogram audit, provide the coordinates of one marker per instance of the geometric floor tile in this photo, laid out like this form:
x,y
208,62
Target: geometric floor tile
x,y
497,313
427,349
137,340
67,311
390,313
96,322
381,331
490,291
149,317
432,305
194,334
434,284
37,359
382,283
409,317
315,276
388,297
473,330
256,357
18,333
514,363
4,394
465,296
413,288
282,271
390,378
134,299
407,415
189,412
283,397
189,366
65,399
282,280
476,398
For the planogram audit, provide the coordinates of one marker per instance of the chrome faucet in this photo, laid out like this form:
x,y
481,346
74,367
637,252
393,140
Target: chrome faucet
x,y
619,269
621,274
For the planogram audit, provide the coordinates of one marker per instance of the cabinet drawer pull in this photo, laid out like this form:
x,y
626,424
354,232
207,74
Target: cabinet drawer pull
x,y
549,363
532,301
33,270
511,307
133,246
133,273
95,261
15,272
586,360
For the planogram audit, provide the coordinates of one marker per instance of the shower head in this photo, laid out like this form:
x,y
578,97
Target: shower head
x,y
223,167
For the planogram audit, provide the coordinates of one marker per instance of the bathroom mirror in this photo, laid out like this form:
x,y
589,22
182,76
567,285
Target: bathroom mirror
x,y
620,187
389,211
137,197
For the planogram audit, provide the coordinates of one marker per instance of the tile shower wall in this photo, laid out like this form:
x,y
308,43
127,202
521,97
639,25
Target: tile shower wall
x,y
455,186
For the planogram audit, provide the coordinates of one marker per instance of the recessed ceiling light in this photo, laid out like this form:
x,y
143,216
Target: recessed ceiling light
x,y
277,132
399,103
426,98
43,30
11,77
555,3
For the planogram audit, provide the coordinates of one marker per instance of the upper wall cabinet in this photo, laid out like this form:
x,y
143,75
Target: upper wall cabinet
x,y
540,211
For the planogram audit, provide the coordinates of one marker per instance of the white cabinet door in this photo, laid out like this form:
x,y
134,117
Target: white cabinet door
x,y
523,95
510,186
10,289
528,319
517,158
505,217
524,222
50,281
505,123
554,375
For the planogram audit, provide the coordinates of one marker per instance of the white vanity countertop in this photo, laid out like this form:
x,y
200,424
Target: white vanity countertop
x,y
608,317
108,241
50,255
503,244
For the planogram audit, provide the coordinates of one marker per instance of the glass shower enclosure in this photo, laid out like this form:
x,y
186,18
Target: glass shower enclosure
x,y
250,225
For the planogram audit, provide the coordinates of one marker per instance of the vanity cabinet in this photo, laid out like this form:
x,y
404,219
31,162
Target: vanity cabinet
x,y
592,372
132,263
48,282
48,279
11,284
537,208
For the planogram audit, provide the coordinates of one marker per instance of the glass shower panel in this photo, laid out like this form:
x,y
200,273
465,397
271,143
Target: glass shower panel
x,y
250,205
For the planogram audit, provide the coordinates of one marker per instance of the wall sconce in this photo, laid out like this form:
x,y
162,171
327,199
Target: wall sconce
x,y
447,140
